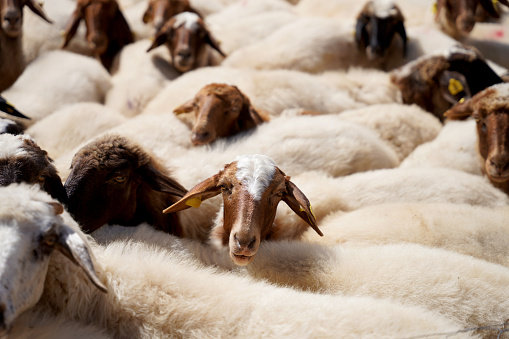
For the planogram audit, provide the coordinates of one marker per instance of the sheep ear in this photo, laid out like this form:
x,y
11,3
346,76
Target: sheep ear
x,y
361,34
162,183
206,189
163,34
74,248
72,27
209,39
53,185
147,14
186,107
454,86
460,111
299,203
37,9
57,207
400,29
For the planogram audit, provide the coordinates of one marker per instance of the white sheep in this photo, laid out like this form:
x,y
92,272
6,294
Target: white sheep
x,y
472,230
72,125
455,147
403,127
152,292
57,78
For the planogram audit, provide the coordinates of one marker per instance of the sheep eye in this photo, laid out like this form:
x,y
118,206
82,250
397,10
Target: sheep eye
x,y
225,188
120,179
280,193
41,178
51,240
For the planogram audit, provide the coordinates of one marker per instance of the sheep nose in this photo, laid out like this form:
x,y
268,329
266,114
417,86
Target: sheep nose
x,y
201,137
12,17
244,243
184,53
500,163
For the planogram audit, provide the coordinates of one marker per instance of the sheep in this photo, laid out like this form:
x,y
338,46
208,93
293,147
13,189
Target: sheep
x,y
471,230
114,180
221,110
252,186
72,125
152,292
107,30
22,160
12,61
44,88
189,41
454,147
403,127
160,11
489,109
11,110
436,82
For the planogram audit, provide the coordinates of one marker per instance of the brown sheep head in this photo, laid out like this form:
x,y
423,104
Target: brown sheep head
x,y
22,160
221,111
252,187
159,11
107,29
11,15
187,37
490,109
377,25
439,81
115,181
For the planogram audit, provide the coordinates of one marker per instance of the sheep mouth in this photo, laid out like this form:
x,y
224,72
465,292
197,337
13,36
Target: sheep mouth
x,y
499,178
241,260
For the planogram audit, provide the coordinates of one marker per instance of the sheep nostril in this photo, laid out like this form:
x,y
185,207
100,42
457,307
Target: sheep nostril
x,y
184,54
252,243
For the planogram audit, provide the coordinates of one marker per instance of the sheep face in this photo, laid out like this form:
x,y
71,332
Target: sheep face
x,y
221,111
114,181
437,82
186,37
107,29
377,24
11,15
252,187
21,160
30,231
159,11
490,109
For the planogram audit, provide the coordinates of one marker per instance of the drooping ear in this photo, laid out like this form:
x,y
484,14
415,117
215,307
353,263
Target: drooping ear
x,y
400,29
361,33
120,31
209,39
53,185
73,25
163,35
74,248
460,111
160,182
299,203
148,14
37,9
206,189
454,86
186,107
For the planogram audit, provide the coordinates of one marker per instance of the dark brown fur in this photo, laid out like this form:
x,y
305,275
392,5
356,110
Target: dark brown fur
x,y
107,29
221,111
160,11
115,181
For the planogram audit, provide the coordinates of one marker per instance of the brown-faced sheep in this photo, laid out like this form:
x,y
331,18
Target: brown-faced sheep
x,y
159,11
221,111
107,29
113,180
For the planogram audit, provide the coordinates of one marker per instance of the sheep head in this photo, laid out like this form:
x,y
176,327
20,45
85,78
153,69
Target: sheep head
x,y
252,187
114,180
11,15
490,109
159,11
377,24
30,231
22,160
221,111
107,29
437,82
186,37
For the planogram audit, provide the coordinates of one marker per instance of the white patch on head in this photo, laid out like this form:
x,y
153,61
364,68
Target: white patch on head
x,y
458,49
255,172
4,124
12,145
187,19
384,8
502,91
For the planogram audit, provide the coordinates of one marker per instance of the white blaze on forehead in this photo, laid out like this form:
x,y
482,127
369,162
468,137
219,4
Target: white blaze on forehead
x,y
187,19
255,172
502,91
458,49
4,123
384,8
12,145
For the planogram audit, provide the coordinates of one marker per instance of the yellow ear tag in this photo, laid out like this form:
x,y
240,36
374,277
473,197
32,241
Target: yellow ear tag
x,y
310,210
434,8
194,202
462,100
455,86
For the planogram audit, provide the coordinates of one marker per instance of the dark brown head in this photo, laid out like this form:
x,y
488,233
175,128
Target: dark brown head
x,y
221,111
490,109
11,15
107,29
252,187
115,181
159,11
187,38
377,25
21,160
437,82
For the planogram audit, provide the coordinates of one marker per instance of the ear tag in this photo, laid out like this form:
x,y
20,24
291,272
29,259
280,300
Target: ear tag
x,y
434,8
455,86
62,33
310,210
194,202
495,4
462,100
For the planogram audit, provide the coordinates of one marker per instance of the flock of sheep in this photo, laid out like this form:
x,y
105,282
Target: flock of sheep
x,y
254,168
